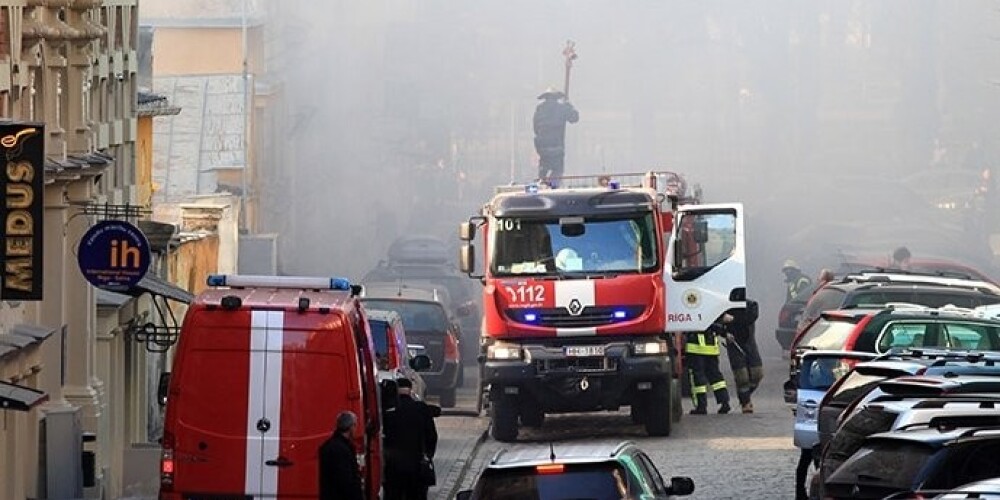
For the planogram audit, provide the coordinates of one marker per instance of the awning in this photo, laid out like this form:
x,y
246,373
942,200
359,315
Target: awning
x,y
156,285
19,397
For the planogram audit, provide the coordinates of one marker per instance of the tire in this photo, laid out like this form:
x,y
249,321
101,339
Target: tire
x,y
461,375
675,395
532,415
447,398
636,411
503,419
658,415
685,385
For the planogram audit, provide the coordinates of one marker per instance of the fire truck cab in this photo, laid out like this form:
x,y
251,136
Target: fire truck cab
x,y
584,287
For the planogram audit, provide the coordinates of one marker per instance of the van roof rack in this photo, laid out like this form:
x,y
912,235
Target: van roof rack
x,y
295,282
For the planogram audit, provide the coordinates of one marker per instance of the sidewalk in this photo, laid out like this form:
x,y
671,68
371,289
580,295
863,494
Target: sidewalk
x,y
458,438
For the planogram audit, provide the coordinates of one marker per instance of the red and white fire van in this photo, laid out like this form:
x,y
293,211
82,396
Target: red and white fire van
x,y
263,366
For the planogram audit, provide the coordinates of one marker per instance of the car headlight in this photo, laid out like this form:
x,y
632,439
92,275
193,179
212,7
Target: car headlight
x,y
503,350
648,348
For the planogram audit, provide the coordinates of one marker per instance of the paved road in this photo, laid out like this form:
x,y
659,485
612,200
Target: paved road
x,y
728,456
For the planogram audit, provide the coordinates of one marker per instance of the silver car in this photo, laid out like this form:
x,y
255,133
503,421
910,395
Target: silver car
x,y
817,373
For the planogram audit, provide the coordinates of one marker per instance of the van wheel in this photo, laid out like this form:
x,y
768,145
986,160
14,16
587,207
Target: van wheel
x,y
447,399
659,413
675,394
503,419
532,415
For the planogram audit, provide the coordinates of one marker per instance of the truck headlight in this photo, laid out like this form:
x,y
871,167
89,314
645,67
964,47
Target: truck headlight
x,y
648,348
503,350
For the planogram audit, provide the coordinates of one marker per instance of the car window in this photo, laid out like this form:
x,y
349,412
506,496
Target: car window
x,y
854,386
380,340
828,333
970,336
820,373
658,486
823,300
903,334
920,296
592,481
965,463
881,467
857,428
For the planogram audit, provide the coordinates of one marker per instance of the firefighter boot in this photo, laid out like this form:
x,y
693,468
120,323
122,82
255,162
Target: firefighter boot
x,y
724,408
701,405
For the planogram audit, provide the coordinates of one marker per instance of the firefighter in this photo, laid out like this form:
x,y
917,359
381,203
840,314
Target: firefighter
x,y
796,282
549,122
701,354
744,356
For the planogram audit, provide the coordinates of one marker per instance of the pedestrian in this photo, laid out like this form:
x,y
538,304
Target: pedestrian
x,y
410,442
701,355
900,259
339,474
744,356
796,282
550,119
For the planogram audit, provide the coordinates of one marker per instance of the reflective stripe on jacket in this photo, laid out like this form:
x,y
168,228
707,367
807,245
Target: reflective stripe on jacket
x,y
702,343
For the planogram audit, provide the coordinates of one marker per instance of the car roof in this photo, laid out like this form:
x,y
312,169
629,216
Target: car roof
x,y
936,435
532,455
922,384
367,300
391,290
897,277
284,298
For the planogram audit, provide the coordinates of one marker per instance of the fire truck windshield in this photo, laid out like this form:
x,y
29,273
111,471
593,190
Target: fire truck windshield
x,y
570,245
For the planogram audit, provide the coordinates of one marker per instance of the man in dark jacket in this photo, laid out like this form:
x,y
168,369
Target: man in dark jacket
x,y
550,120
339,474
744,356
410,435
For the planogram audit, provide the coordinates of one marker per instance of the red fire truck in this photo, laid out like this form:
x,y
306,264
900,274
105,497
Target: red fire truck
x,y
584,288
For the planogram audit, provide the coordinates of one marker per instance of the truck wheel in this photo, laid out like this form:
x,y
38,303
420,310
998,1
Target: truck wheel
x,y
461,375
447,398
637,411
532,415
503,416
675,395
660,411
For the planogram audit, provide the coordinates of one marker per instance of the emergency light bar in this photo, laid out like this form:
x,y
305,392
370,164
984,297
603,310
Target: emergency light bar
x,y
249,281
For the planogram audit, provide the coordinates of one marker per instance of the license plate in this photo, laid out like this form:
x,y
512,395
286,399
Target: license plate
x,y
584,350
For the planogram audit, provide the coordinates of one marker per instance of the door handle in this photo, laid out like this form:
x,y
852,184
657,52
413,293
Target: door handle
x,y
279,462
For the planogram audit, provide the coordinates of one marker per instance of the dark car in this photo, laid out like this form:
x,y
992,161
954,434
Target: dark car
x,y
427,323
926,457
788,319
598,471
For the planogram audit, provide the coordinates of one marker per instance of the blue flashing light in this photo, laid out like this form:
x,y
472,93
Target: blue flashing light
x,y
216,280
340,284
531,188
530,316
614,184
620,314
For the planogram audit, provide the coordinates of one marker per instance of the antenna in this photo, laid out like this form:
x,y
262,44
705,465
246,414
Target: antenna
x,y
552,452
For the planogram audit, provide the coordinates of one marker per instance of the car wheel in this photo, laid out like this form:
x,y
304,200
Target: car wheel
x,y
447,399
503,419
659,412
637,411
677,408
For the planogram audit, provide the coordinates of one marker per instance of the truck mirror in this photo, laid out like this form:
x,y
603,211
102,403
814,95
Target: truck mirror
x,y
162,387
420,362
467,259
466,231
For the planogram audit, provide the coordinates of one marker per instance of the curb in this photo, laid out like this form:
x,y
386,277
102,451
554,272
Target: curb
x,y
468,464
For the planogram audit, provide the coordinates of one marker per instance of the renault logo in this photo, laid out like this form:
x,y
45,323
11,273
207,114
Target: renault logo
x,y
574,307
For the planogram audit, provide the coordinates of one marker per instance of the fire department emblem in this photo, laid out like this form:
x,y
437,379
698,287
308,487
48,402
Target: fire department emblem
x,y
574,307
691,298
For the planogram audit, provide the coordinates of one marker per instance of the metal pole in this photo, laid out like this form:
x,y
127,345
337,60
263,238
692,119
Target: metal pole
x,y
244,183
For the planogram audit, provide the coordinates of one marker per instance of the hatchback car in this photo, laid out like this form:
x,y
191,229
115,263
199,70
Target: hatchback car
x,y
427,323
936,458
598,471
820,371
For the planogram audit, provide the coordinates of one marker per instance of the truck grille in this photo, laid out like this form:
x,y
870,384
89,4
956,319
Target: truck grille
x,y
576,365
560,317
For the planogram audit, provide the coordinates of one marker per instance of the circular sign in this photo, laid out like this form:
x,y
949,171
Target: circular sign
x,y
114,254
691,298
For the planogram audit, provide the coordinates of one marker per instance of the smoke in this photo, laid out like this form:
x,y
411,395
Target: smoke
x,y
397,117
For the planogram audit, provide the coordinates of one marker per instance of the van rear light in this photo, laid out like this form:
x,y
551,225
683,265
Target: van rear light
x,y
450,347
550,469
167,463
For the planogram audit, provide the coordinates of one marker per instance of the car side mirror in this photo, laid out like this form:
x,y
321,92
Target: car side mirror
x,y
162,388
420,362
464,495
681,486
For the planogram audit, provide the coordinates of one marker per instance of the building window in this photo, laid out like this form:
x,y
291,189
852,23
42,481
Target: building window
x,y
5,33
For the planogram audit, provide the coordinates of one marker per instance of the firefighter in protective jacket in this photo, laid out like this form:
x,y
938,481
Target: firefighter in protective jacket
x,y
701,354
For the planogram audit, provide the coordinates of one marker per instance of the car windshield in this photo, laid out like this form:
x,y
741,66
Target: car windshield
x,y
574,245
828,333
938,333
417,316
881,467
591,481
855,385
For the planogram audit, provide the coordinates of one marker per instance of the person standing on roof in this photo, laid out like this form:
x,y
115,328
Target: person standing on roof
x,y
900,259
796,283
550,119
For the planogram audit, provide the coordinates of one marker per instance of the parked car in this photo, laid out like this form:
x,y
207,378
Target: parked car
x,y
872,289
897,327
987,488
395,358
788,319
820,371
598,471
427,323
925,457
